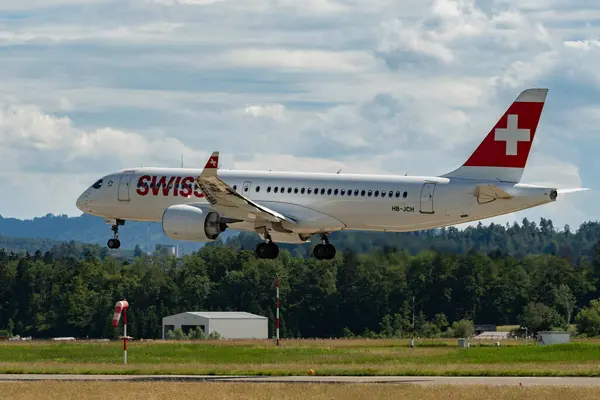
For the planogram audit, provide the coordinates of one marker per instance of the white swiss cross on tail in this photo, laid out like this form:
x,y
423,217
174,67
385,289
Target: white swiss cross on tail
x,y
512,134
494,160
213,161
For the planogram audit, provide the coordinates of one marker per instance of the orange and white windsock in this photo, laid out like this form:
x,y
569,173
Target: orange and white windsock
x,y
119,307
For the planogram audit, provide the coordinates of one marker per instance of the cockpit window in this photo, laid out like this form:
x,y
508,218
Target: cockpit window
x,y
98,184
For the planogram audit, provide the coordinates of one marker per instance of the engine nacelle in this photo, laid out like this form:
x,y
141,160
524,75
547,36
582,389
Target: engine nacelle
x,y
183,222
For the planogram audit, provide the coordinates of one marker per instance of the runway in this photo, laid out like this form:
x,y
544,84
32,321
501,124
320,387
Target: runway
x,y
418,380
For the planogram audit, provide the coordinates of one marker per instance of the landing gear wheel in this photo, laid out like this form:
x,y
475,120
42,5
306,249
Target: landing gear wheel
x,y
273,250
330,251
324,251
113,243
267,250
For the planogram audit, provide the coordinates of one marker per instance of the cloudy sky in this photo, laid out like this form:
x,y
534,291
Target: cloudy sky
x,y
91,86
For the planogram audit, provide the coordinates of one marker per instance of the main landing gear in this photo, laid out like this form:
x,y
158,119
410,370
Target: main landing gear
x,y
267,250
270,250
325,250
115,243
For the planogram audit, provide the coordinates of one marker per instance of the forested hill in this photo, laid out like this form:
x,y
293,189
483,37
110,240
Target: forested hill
x,y
529,274
72,292
528,237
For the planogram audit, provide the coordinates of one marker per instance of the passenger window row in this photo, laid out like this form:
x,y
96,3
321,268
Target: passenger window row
x,y
329,191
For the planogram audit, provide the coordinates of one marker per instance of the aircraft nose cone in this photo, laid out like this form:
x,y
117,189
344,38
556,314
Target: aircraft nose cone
x,y
79,203
83,202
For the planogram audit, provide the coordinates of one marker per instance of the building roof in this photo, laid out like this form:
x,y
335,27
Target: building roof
x,y
223,315
492,335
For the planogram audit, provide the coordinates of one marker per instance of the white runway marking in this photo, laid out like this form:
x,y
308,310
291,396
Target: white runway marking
x,y
419,380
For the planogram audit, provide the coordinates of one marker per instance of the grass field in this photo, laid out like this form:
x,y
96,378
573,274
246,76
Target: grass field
x,y
170,390
295,357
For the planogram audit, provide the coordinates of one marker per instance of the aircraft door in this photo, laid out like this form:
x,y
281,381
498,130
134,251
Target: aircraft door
x,y
427,198
123,191
246,188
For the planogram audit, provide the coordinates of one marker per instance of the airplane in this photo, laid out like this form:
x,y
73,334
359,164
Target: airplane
x,y
290,207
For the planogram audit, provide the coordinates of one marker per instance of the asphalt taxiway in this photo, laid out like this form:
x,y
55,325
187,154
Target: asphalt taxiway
x,y
418,380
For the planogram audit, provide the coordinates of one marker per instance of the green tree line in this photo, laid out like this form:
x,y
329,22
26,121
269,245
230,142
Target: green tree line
x,y
71,289
516,240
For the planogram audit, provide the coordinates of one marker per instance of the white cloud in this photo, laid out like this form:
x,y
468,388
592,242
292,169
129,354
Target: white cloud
x,y
313,5
157,31
183,2
25,5
271,110
520,72
585,45
286,162
46,157
550,171
35,141
323,61
37,194
398,37
451,24
362,85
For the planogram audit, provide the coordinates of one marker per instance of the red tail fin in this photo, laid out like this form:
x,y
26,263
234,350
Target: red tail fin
x,y
213,161
503,153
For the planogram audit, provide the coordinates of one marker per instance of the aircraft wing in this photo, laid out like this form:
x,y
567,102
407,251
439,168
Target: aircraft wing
x,y
488,193
230,203
306,219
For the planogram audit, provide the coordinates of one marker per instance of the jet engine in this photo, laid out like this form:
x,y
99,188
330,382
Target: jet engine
x,y
184,222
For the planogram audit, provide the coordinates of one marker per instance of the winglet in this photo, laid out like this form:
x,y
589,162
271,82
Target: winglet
x,y
213,161
220,195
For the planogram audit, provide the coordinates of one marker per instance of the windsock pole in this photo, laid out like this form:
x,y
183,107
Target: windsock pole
x,y
125,336
277,311
122,306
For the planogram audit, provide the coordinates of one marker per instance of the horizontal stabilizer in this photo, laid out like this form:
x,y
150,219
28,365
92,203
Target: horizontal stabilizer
x,y
572,190
488,193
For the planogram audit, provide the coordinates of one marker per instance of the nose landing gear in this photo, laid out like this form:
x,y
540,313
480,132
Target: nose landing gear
x,y
115,243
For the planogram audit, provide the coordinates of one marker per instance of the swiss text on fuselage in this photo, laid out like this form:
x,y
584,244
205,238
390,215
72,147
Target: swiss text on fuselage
x,y
168,186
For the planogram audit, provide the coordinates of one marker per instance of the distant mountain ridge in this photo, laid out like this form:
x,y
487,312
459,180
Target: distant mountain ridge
x,y
93,230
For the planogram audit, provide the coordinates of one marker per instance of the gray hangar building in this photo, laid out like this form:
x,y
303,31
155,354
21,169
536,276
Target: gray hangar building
x,y
229,324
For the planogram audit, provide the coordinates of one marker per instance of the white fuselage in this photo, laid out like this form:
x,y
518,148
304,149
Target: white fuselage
x,y
353,202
